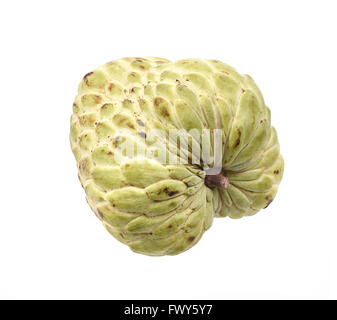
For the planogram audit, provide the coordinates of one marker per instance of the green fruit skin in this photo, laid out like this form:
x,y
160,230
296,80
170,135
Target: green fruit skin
x,y
158,208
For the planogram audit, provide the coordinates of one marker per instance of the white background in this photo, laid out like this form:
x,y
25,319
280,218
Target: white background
x,y
52,245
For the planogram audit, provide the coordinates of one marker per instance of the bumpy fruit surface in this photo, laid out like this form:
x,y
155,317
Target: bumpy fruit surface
x,y
162,208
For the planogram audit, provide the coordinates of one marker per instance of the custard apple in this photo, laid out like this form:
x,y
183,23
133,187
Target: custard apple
x,y
132,113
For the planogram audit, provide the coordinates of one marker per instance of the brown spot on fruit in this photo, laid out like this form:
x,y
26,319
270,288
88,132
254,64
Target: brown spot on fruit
x,y
83,166
170,193
191,239
161,105
100,213
237,142
269,201
277,171
86,76
116,141
243,90
158,101
164,112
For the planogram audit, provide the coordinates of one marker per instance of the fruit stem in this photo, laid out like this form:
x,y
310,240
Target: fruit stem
x,y
217,181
